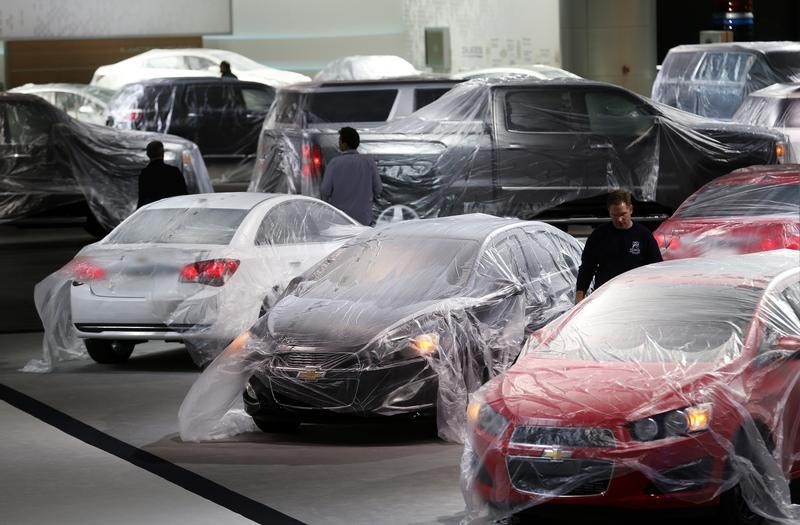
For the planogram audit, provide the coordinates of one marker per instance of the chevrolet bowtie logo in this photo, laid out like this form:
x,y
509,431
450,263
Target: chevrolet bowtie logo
x,y
556,453
310,374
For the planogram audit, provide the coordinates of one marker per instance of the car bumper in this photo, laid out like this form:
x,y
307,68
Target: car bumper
x,y
407,387
671,473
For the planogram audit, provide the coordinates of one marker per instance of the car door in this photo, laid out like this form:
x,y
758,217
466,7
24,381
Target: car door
x,y
213,112
540,144
28,163
256,101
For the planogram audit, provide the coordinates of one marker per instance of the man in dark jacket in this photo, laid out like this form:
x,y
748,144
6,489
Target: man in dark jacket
x,y
159,180
351,181
615,248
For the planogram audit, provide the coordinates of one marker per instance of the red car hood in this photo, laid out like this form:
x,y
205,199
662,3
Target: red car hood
x,y
591,392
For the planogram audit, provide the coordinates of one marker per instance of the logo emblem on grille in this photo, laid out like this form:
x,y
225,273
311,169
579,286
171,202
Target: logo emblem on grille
x,y
310,374
556,454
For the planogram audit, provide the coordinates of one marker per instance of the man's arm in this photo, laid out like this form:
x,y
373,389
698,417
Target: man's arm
x,y
377,185
587,269
326,189
653,253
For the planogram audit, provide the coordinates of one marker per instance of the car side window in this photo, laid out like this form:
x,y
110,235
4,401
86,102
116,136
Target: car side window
x,y
199,63
167,62
616,114
300,222
724,67
211,98
424,96
782,316
257,100
543,110
26,124
559,266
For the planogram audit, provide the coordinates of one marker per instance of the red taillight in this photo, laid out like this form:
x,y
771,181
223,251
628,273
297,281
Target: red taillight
x,y
213,272
134,115
312,161
83,270
793,242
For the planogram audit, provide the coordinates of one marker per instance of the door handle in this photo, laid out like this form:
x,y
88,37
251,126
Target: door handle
x,y
514,146
193,115
21,156
601,145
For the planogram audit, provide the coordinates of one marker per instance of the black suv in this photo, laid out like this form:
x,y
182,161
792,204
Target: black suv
x,y
222,116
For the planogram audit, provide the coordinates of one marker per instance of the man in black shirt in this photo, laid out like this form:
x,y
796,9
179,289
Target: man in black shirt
x,y
615,248
159,180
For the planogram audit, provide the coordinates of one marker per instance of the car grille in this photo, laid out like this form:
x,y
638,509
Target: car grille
x,y
569,477
563,436
324,360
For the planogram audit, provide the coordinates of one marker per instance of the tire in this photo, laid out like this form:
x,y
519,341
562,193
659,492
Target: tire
x,y
277,425
109,351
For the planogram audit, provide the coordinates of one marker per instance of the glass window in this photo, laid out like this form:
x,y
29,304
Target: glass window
x,y
724,67
678,66
301,222
285,108
200,63
180,226
25,124
167,62
258,100
543,111
424,96
732,200
351,106
616,114
211,98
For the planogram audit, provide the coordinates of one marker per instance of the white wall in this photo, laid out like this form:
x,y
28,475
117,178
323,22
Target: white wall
x,y
486,33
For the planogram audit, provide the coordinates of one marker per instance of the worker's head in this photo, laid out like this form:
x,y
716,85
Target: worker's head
x,y
155,150
620,209
348,139
224,67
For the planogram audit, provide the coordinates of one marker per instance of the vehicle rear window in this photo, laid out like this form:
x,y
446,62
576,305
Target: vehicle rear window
x,y
180,226
257,100
733,200
677,66
724,67
543,111
424,96
350,106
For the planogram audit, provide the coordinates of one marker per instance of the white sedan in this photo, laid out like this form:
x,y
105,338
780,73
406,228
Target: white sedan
x,y
200,62
197,268
778,107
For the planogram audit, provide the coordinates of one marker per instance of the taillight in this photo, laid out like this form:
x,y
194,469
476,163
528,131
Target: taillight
x,y
770,243
780,152
213,272
134,115
311,161
83,270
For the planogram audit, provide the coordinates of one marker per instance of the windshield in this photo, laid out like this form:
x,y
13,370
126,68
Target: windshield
x,y
180,226
102,93
732,200
397,271
691,323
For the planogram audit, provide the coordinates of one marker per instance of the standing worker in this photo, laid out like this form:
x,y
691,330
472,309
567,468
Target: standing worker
x,y
615,248
351,181
159,180
225,70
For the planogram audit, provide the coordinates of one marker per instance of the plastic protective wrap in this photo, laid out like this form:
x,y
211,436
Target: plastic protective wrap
x,y
50,160
222,116
674,385
713,79
198,269
540,71
403,321
776,106
366,67
550,149
81,101
750,210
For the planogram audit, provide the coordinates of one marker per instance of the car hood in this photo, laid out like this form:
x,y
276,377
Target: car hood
x,y
594,393
313,321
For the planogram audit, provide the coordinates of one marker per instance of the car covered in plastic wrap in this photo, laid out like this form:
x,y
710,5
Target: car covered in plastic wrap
x,y
198,269
713,79
674,385
402,321
223,116
81,101
750,210
366,67
188,62
54,164
545,149
776,106
540,71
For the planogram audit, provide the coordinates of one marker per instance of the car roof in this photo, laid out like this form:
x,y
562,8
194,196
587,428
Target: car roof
x,y
231,200
770,174
754,270
191,80
781,90
747,47
383,82
473,226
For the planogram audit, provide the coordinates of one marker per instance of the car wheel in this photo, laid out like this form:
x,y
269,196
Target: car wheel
x,y
277,425
108,351
734,508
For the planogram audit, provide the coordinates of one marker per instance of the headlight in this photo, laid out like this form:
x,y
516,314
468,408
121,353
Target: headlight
x,y
682,422
419,338
483,416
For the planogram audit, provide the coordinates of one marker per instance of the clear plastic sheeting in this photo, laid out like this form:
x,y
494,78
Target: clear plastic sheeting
x,y
403,321
673,385
776,106
223,116
195,269
546,149
52,161
713,79
750,210
366,67
81,101
538,71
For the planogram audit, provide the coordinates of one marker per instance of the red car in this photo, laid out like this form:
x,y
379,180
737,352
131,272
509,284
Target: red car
x,y
749,210
674,385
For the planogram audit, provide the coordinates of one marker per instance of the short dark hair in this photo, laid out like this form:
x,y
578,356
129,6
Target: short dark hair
x,y
618,197
350,137
224,66
155,150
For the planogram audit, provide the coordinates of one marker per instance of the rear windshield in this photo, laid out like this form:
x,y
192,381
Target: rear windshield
x,y
424,96
731,200
340,106
180,226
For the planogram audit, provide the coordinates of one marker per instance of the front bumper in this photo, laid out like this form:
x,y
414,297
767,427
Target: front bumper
x,y
345,389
